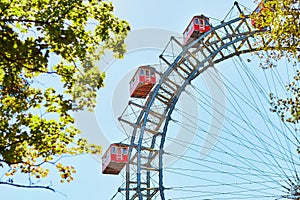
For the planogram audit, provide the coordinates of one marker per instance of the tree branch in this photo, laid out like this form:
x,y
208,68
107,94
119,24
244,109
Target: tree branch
x,y
28,186
25,21
30,69
4,9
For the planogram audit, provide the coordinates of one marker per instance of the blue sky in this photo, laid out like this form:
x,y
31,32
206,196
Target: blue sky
x,y
169,15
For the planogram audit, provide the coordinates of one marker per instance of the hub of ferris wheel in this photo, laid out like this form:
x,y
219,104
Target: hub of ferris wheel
x,y
295,191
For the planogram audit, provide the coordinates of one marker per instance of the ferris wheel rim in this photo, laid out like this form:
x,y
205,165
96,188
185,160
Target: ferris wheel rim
x,y
192,76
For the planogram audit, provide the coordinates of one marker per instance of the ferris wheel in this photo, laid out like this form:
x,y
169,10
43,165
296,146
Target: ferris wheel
x,y
234,148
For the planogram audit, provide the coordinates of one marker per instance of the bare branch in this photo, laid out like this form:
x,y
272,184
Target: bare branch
x,y
28,186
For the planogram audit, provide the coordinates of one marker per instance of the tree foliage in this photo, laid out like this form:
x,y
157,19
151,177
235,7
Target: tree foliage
x,y
47,71
279,21
288,108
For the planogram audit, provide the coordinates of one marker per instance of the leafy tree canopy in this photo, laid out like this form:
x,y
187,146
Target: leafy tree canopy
x,y
281,19
280,22
42,41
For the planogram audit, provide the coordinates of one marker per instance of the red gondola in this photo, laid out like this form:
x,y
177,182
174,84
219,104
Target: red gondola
x,y
114,159
197,26
142,82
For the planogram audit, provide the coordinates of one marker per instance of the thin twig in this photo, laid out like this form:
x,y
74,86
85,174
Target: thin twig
x,y
28,186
